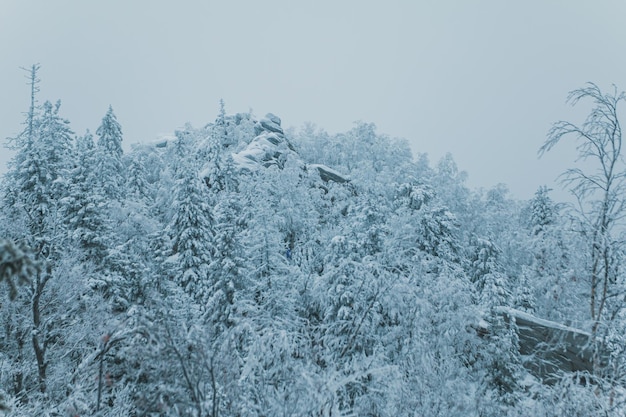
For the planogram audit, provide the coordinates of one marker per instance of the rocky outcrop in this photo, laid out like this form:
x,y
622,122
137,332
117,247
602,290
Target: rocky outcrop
x,y
550,349
328,174
270,123
255,144
271,147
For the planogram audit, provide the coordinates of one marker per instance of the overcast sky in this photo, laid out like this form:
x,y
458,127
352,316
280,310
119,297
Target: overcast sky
x,y
483,80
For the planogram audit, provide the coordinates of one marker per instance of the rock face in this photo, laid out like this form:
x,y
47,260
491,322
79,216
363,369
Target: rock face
x,y
256,144
271,147
328,174
270,123
549,349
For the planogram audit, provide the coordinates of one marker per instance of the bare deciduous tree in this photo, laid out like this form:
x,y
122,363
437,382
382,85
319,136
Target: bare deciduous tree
x,y
600,190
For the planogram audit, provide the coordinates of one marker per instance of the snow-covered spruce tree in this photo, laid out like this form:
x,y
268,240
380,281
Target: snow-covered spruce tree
x,y
226,267
220,129
111,169
208,261
40,317
191,228
17,269
501,222
137,225
263,237
137,187
228,308
278,378
431,295
39,173
38,179
15,338
368,223
405,239
23,143
98,203
425,229
83,208
348,302
485,272
370,158
543,211
557,293
499,356
452,190
313,145
16,266
225,271
217,163
204,347
122,275
136,228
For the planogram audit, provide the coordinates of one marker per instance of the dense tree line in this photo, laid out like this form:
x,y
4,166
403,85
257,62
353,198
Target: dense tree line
x,y
177,280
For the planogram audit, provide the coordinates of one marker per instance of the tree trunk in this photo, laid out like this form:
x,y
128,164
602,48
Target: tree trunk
x,y
38,346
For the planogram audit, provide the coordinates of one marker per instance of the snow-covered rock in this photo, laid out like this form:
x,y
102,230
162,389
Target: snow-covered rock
x,y
549,348
271,123
269,147
328,174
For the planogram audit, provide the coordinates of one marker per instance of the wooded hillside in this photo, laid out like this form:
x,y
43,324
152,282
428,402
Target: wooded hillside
x,y
244,270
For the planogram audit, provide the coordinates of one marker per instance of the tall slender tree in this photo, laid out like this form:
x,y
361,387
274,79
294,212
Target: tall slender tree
x,y
191,229
83,208
40,169
110,166
600,192
38,183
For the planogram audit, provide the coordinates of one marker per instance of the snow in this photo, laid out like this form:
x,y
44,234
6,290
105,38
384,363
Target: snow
x,y
296,291
244,162
261,148
541,322
265,147
271,123
327,173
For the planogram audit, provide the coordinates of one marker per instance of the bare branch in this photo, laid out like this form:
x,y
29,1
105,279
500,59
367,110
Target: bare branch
x,y
600,193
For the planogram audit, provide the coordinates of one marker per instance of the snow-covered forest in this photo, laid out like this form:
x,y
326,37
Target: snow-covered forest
x,y
239,269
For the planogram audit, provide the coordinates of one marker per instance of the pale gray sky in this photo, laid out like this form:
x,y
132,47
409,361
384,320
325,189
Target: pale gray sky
x,y
481,79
